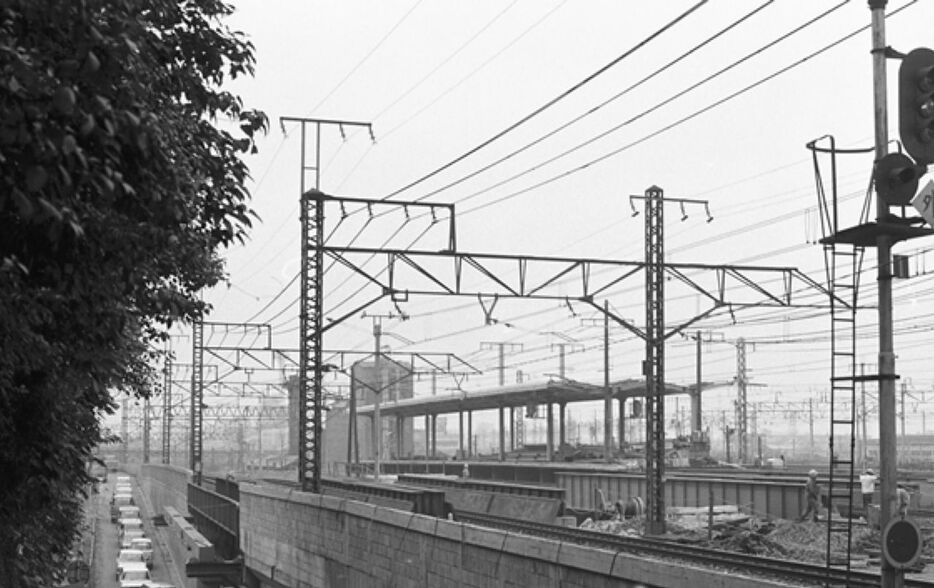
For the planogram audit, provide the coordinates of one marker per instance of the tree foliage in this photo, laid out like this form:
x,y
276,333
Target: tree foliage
x,y
118,188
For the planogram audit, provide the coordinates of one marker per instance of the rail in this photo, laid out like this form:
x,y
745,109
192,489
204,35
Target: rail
x,y
811,574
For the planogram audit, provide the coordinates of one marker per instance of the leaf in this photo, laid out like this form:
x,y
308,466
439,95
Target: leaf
x,y
69,144
36,177
23,204
49,209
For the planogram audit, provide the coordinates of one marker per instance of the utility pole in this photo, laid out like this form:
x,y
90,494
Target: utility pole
x,y
608,394
125,427
811,425
742,433
891,578
653,367
146,425
862,386
902,413
696,408
167,411
311,310
378,387
516,422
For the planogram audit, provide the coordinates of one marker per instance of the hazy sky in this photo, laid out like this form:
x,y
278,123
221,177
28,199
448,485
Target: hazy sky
x,y
717,106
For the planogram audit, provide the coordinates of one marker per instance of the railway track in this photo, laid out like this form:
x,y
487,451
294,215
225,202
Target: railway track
x,y
807,574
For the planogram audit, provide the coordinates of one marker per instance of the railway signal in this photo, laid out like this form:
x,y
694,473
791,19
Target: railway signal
x,y
896,177
916,104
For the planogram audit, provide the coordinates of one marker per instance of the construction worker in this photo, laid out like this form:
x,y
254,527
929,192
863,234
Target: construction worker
x,y
812,492
867,482
903,500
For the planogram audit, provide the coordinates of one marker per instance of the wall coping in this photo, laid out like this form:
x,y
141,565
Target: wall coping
x,y
612,564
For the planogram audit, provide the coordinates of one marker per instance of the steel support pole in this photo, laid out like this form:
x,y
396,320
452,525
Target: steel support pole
x,y
562,425
654,365
608,394
146,428
310,339
697,425
125,428
434,435
891,578
167,413
502,434
742,420
197,401
311,311
622,422
460,433
470,447
427,436
550,431
378,387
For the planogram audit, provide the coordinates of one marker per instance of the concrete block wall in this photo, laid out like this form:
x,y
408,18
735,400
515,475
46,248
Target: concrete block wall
x,y
185,542
303,540
166,485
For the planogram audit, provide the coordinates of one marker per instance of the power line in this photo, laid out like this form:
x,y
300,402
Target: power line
x,y
548,104
368,55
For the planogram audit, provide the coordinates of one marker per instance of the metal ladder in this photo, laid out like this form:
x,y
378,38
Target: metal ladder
x,y
843,265
842,262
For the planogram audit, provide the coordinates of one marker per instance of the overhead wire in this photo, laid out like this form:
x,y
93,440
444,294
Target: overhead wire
x,y
786,69
599,106
643,139
550,103
369,54
606,67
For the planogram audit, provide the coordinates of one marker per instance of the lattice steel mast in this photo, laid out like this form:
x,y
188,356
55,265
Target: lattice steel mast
x,y
312,304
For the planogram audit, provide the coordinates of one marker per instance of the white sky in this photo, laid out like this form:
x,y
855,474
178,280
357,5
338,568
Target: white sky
x,y
438,78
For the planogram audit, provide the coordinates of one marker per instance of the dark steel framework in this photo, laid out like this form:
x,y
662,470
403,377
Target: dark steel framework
x,y
262,333
742,403
312,281
654,366
146,427
533,277
197,400
843,256
167,411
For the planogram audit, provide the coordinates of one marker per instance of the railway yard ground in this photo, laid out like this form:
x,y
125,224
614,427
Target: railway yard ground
x,y
803,541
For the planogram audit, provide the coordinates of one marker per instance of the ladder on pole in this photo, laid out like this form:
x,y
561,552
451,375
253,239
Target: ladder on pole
x,y
844,263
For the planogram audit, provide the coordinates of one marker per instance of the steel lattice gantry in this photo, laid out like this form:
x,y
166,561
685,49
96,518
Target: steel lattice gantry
x,y
197,399
445,272
310,322
654,365
167,412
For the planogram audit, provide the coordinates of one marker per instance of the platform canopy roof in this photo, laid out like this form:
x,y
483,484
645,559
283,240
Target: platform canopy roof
x,y
516,395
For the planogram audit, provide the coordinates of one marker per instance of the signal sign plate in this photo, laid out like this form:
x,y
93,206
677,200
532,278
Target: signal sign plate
x,y
924,202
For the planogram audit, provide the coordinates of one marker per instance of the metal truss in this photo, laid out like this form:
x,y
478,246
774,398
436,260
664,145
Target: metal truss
x,y
197,393
654,365
228,412
410,272
253,339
